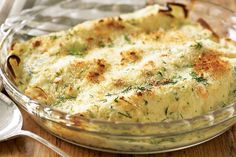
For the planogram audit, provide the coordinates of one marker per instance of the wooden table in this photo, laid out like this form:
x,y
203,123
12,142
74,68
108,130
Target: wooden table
x,y
222,146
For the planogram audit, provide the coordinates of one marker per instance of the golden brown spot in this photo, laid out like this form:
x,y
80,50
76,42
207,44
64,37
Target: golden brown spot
x,y
36,43
115,24
139,94
101,64
90,39
101,21
119,83
78,68
95,75
165,55
212,63
131,55
110,22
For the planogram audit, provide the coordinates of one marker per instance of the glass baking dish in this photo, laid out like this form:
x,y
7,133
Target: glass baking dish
x,y
139,138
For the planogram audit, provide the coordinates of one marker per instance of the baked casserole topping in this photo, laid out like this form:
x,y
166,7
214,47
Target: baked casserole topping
x,y
148,66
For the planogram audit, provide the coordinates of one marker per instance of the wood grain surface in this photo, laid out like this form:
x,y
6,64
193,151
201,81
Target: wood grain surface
x,y
222,146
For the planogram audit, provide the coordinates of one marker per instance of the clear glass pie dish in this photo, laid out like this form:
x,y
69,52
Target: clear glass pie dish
x,y
119,137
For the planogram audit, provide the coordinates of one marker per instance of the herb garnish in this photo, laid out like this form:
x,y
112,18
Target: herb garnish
x,y
176,96
198,78
101,44
126,114
103,100
110,94
166,110
197,46
126,37
116,99
77,48
53,37
111,45
234,91
127,89
91,114
159,73
235,69
143,87
145,102
62,99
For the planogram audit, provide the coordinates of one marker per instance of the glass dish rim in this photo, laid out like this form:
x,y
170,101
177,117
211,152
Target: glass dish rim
x,y
7,80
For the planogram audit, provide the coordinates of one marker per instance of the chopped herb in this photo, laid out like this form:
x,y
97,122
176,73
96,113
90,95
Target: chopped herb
x,y
145,102
141,88
111,45
176,77
103,100
91,114
197,46
62,99
116,99
234,91
58,73
224,104
159,73
144,87
166,82
127,89
198,78
77,48
110,94
133,22
126,37
163,68
101,44
166,110
176,96
235,69
53,37
163,62
126,114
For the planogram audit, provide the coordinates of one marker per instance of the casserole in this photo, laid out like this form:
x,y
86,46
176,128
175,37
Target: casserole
x,y
126,137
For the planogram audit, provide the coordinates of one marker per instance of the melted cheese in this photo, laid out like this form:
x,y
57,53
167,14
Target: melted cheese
x,y
145,66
